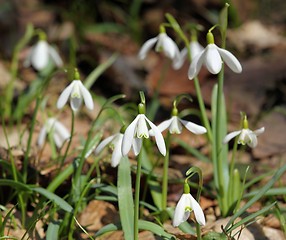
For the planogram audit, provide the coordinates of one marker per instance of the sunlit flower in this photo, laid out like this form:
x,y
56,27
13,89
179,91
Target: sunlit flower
x,y
246,136
184,207
174,124
58,131
136,131
77,92
163,44
195,48
213,57
115,143
40,55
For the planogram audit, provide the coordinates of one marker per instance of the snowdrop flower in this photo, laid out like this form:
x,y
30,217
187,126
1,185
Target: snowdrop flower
x,y
59,132
185,206
212,57
40,55
174,124
246,136
137,130
115,143
77,92
163,44
195,48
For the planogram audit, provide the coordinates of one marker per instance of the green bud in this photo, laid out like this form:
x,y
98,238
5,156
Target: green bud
x,y
186,188
76,74
210,38
141,108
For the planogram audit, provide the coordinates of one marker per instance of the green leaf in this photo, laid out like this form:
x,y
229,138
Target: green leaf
x,y
156,229
93,76
125,199
256,197
53,230
251,217
108,228
17,185
53,197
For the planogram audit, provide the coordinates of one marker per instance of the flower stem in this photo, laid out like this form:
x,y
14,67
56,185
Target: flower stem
x,y
137,194
165,173
203,109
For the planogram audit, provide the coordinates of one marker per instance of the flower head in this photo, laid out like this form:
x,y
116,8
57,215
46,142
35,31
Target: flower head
x,y
174,124
40,55
212,57
115,143
164,44
59,132
184,207
77,92
245,135
137,130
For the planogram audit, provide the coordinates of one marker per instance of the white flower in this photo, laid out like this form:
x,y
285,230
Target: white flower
x,y
195,48
115,142
212,57
59,132
40,55
136,131
76,91
175,126
164,44
246,136
185,206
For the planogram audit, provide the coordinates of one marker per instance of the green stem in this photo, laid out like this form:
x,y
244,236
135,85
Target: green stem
x,y
137,193
165,173
26,157
218,144
198,230
203,109
69,142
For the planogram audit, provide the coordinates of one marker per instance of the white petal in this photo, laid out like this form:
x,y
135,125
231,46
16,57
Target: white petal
x,y
259,131
176,126
142,129
55,57
199,214
158,137
75,103
58,140
230,60
65,95
42,136
230,136
86,96
194,128
169,47
128,136
243,137
213,60
163,125
195,48
178,60
117,154
40,55
252,140
103,144
137,145
62,131
179,214
146,47
196,65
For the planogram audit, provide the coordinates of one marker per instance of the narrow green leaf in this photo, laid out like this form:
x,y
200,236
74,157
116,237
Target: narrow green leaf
x,y
251,217
256,197
270,192
53,197
17,185
125,199
93,76
53,230
108,228
152,227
